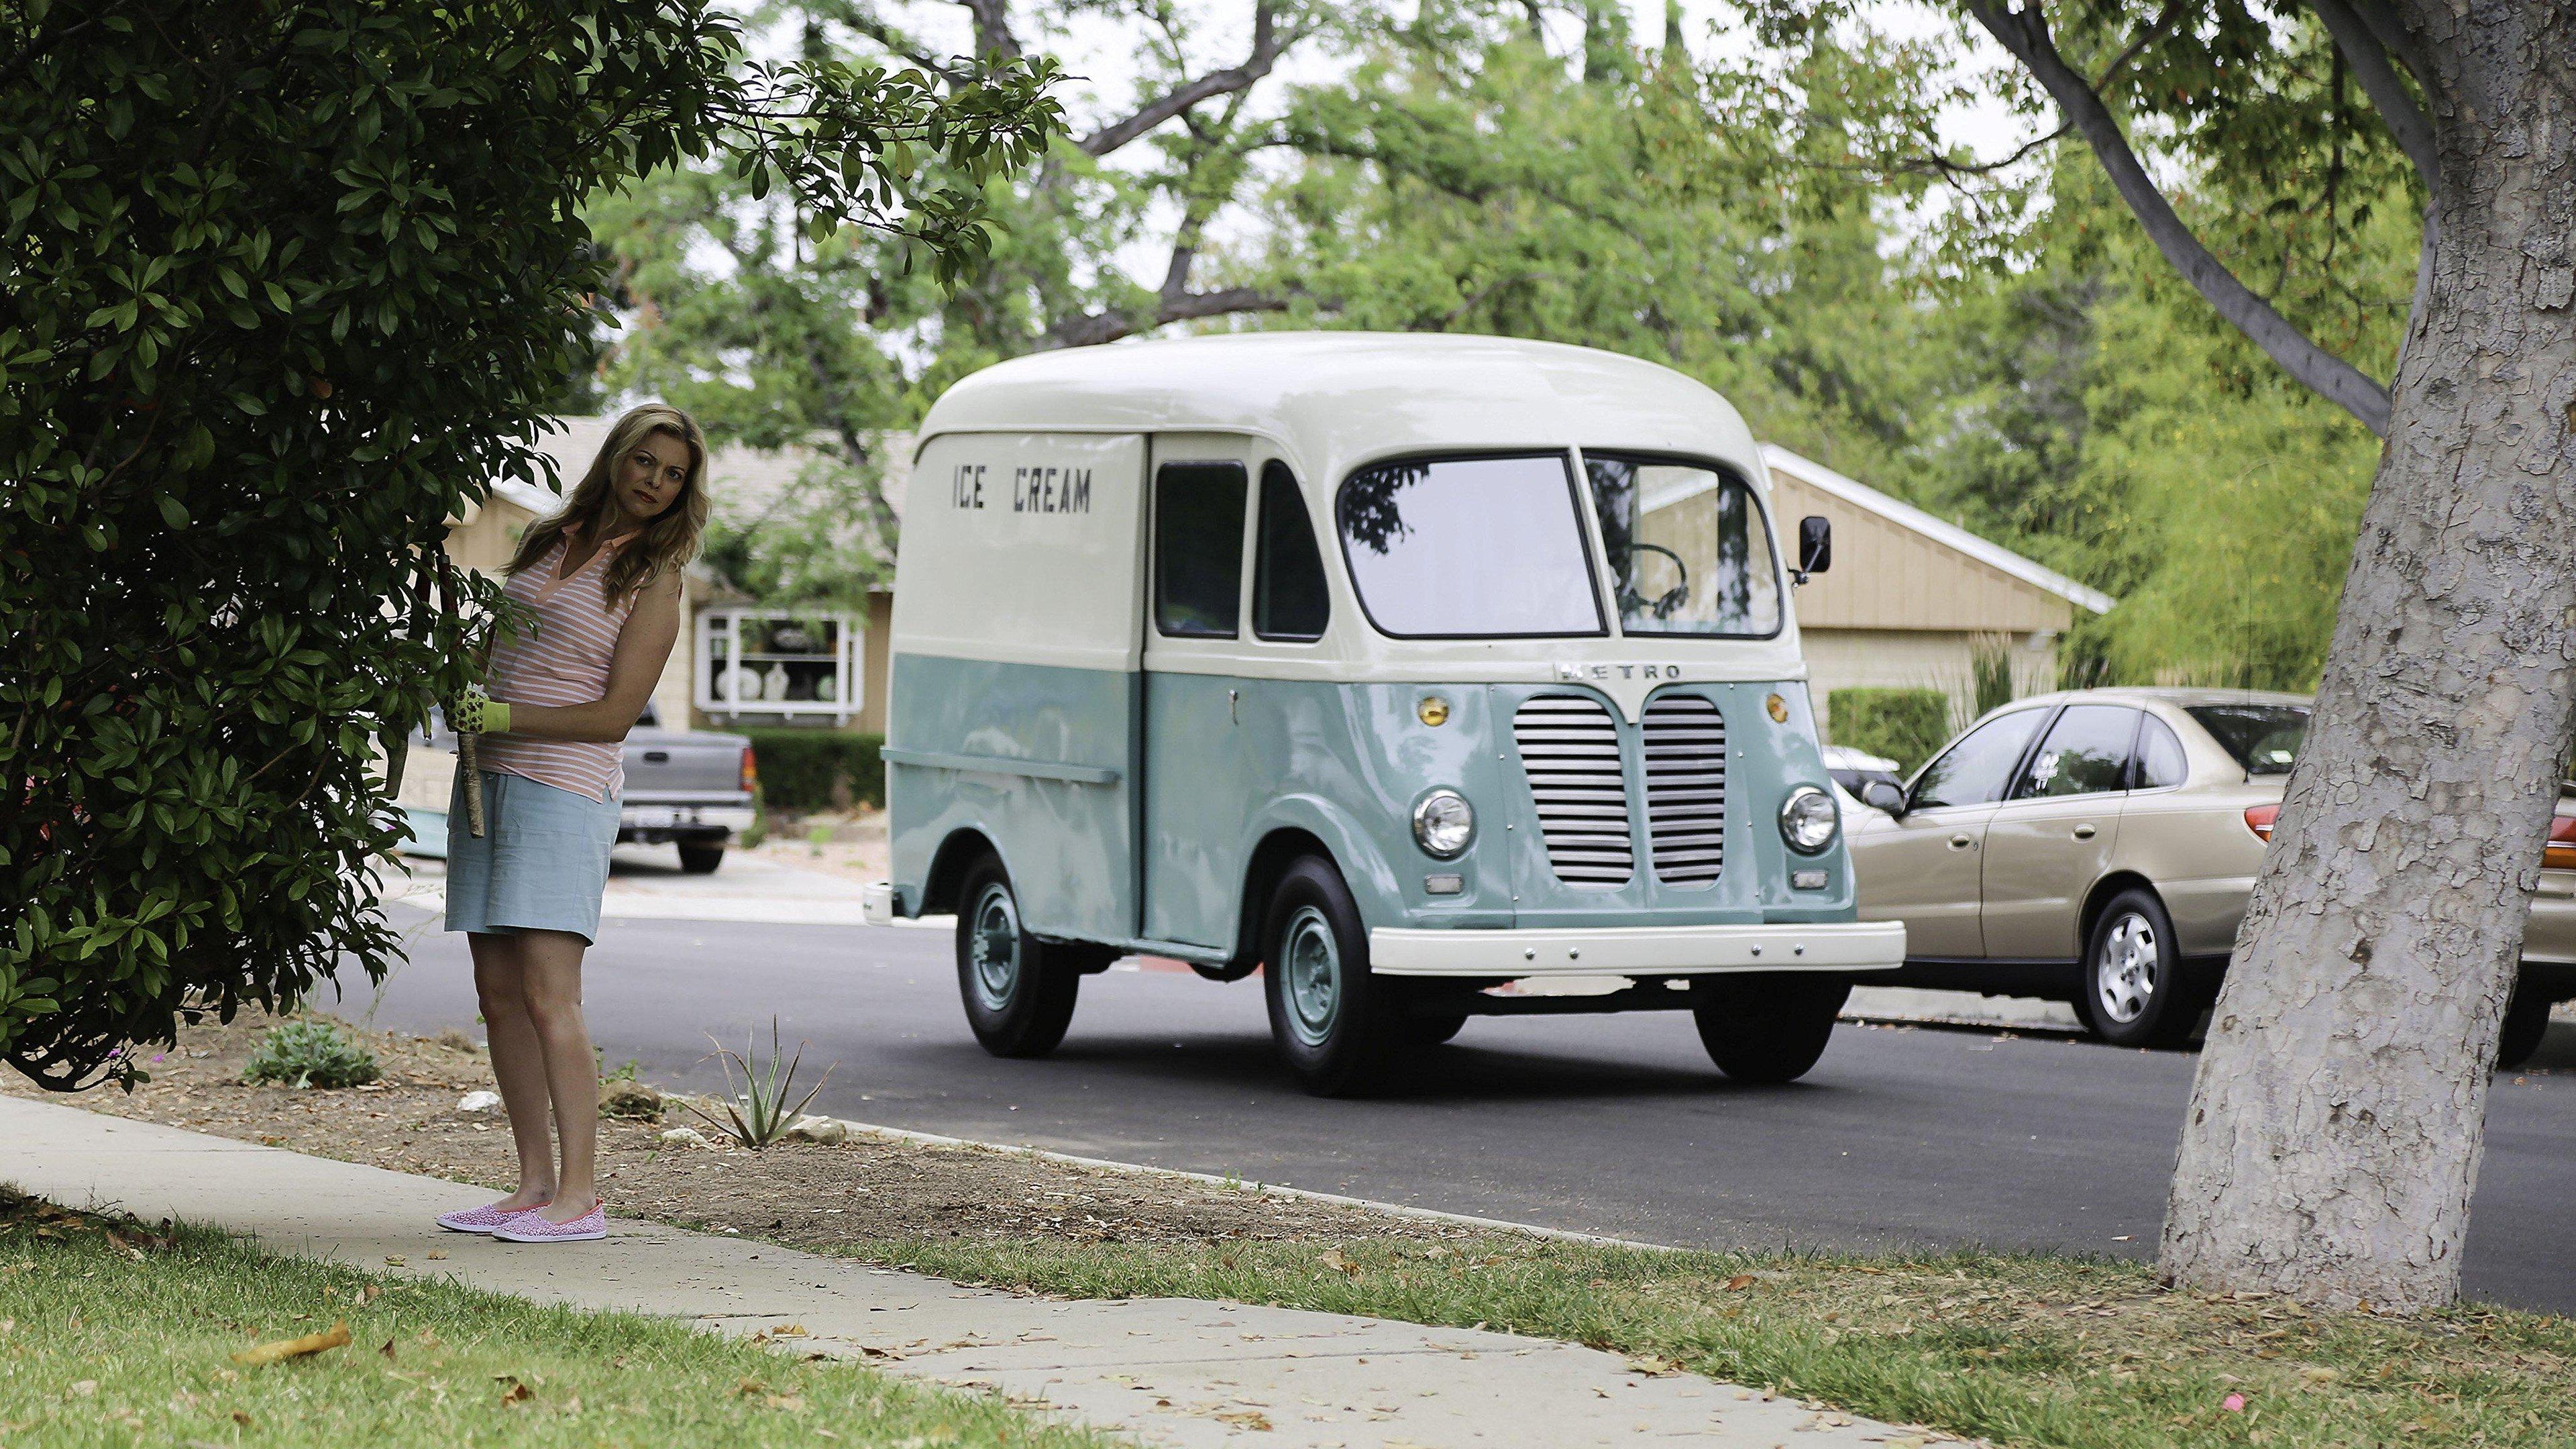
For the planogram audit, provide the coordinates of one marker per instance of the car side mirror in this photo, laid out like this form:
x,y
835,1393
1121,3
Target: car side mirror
x,y
1815,545
1884,795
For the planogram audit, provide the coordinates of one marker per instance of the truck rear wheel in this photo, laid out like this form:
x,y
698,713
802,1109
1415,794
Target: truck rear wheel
x,y
1768,1026
1019,991
701,858
2526,1023
1333,1023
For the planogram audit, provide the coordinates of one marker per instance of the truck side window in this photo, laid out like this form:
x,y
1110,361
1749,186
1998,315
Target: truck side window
x,y
1288,595
1198,549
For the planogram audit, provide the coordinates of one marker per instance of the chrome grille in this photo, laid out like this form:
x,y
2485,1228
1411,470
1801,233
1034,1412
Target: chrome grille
x,y
1686,789
1570,749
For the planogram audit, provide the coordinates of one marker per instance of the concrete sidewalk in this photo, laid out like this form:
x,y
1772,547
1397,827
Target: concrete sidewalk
x,y
1170,1371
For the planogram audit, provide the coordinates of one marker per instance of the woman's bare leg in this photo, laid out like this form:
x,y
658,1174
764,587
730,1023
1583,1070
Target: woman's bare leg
x,y
552,978
518,1063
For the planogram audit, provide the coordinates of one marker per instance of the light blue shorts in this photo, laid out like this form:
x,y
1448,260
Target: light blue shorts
x,y
541,865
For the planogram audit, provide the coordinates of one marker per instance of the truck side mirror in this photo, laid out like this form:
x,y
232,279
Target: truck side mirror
x,y
1884,795
1815,545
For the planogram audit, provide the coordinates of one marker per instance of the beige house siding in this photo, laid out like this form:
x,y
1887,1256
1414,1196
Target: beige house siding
x,y
1910,598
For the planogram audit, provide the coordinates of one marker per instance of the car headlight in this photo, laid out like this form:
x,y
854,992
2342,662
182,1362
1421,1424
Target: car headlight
x,y
1443,823
1808,820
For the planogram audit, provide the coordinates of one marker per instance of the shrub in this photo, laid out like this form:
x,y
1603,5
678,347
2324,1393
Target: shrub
x,y
1906,725
291,282
310,1054
804,770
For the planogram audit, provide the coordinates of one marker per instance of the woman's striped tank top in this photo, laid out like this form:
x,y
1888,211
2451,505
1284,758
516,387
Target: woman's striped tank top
x,y
564,660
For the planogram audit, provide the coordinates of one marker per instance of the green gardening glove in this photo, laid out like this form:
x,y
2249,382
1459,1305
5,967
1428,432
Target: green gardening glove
x,y
478,713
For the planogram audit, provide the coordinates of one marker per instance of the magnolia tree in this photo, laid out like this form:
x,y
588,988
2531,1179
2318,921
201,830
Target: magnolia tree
x,y
2335,1125
289,285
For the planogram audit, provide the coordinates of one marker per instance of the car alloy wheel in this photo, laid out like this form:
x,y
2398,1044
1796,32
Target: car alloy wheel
x,y
995,950
1313,962
2125,968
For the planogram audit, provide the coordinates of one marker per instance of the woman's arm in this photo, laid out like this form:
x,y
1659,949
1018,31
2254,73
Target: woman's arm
x,y
643,647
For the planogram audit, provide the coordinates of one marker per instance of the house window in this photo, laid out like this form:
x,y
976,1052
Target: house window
x,y
760,663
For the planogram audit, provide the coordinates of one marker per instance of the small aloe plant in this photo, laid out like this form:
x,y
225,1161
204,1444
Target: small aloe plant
x,y
756,1114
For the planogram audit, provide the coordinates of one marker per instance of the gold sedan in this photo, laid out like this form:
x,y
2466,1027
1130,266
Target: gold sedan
x,y
2098,847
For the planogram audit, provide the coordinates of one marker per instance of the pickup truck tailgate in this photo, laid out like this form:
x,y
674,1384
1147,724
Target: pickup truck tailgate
x,y
684,765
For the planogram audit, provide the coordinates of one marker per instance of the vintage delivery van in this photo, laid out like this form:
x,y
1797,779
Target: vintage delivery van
x,y
1420,670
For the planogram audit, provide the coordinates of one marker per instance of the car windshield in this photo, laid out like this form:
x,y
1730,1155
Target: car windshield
x,y
1469,548
2264,738
1688,548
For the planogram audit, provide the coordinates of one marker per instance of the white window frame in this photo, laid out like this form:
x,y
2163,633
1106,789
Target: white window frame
x,y
727,621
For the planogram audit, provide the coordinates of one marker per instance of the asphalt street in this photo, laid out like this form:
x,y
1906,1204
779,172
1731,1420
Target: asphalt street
x,y
1611,1124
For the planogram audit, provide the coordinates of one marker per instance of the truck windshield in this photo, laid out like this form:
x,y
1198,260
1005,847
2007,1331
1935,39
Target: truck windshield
x,y
1469,548
1689,551
2264,738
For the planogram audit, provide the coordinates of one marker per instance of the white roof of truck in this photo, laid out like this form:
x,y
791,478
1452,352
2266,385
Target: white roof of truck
x,y
1336,399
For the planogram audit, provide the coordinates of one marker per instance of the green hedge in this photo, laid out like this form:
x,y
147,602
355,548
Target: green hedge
x,y
1905,725
804,770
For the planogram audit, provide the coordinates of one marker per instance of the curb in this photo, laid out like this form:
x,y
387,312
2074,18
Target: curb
x,y
1138,1169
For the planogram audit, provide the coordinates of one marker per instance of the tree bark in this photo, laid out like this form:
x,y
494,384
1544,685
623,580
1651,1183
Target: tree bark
x,y
2339,1109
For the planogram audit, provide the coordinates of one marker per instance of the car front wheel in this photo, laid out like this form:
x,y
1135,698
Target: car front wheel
x,y
2134,991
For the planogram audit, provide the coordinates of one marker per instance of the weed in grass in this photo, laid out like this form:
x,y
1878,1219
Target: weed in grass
x,y
310,1054
756,1113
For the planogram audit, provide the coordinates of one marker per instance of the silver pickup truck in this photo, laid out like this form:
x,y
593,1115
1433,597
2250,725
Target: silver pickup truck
x,y
690,788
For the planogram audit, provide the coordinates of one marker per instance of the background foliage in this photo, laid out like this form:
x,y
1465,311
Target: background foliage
x,y
804,769
1764,206
289,285
1904,725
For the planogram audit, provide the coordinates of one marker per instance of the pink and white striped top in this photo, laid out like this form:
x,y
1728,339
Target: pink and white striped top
x,y
563,661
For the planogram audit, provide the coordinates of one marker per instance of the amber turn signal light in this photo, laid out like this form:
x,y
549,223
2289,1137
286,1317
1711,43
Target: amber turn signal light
x,y
2259,818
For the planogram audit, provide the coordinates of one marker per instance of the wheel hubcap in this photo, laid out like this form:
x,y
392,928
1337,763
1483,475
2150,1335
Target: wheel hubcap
x,y
1312,962
2124,972
994,949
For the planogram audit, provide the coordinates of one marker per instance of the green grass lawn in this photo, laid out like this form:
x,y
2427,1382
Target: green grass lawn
x,y
2021,1349
102,1344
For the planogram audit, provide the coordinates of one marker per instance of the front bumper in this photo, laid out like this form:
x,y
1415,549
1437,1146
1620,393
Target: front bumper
x,y
876,903
1638,950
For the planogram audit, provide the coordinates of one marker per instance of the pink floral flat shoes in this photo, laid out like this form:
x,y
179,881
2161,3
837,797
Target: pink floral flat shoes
x,y
531,1227
479,1220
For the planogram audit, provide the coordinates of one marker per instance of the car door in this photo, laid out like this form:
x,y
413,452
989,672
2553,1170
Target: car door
x,y
1922,867
2053,836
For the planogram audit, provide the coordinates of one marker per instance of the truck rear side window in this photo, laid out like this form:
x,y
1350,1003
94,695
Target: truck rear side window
x,y
1289,600
1198,549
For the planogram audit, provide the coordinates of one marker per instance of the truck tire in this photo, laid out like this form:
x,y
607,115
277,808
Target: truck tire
x,y
2135,992
699,858
1333,1023
2526,1022
1767,1026
1018,990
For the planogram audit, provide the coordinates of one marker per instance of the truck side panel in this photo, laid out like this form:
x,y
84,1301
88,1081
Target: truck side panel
x,y
1016,671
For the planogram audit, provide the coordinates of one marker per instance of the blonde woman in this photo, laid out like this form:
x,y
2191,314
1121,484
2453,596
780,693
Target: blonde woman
x,y
601,582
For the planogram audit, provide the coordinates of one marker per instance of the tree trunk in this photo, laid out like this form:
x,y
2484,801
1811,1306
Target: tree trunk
x,y
2339,1111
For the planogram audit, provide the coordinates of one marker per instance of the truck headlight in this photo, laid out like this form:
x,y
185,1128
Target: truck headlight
x,y
1443,823
1808,820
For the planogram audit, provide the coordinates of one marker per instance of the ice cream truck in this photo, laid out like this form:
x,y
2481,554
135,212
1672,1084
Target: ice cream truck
x,y
1424,676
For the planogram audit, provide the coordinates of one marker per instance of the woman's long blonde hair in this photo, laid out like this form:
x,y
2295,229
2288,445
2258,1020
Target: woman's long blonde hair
x,y
664,545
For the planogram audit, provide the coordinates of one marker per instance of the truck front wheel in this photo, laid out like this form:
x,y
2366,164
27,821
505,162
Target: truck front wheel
x,y
1767,1026
1019,991
1332,1022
